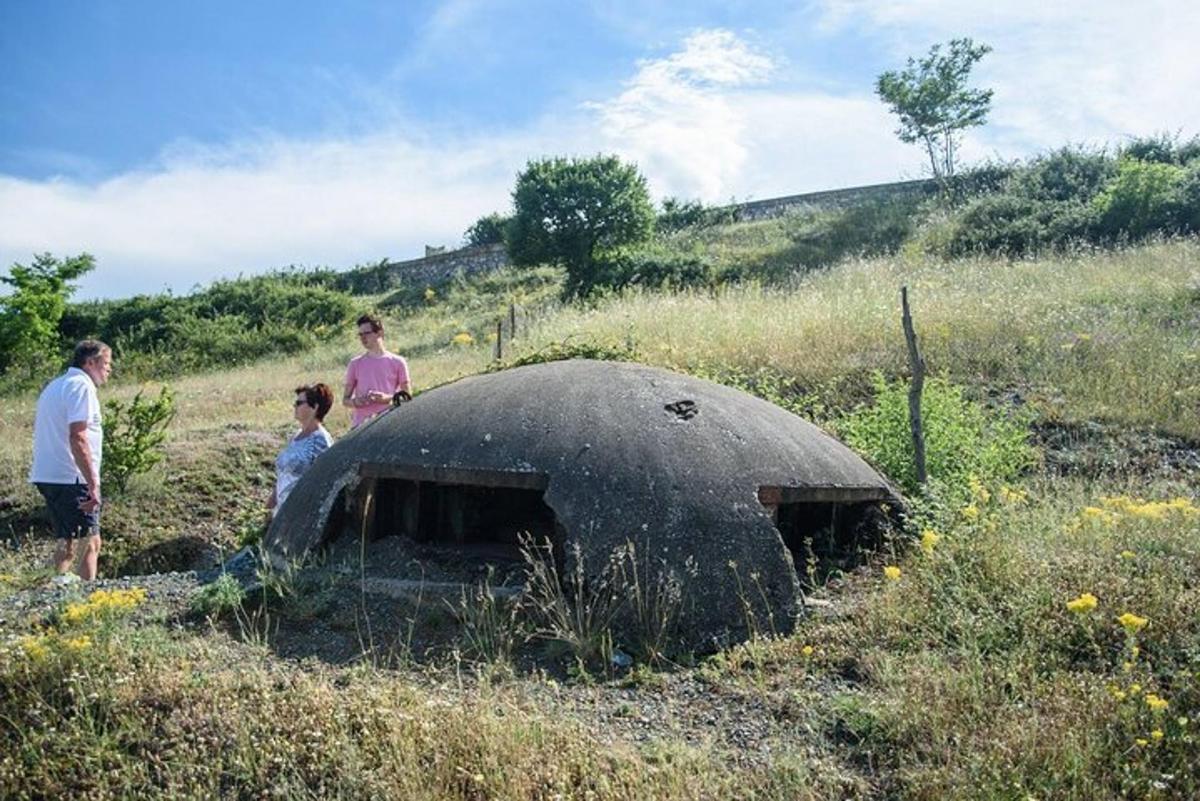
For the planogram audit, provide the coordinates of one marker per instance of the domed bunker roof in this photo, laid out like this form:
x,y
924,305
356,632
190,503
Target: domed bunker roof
x,y
714,487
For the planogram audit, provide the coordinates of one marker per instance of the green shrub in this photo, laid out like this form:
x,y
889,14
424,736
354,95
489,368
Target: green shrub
x,y
1066,175
654,267
1141,199
230,322
218,597
1162,148
1187,200
133,436
1012,225
962,438
487,230
678,214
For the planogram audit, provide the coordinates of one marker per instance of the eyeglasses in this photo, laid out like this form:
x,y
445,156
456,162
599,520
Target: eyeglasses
x,y
300,402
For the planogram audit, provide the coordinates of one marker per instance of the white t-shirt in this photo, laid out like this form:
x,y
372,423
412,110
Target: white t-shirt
x,y
70,398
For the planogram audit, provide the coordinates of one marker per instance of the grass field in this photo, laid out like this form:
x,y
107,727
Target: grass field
x,y
1041,641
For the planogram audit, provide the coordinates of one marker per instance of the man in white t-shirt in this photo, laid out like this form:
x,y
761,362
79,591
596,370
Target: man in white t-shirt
x,y
67,444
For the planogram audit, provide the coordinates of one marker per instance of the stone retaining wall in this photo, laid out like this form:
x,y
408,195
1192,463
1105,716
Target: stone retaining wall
x,y
440,267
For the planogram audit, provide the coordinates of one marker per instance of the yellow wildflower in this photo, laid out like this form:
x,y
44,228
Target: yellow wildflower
x,y
1142,741
1156,703
1157,734
978,491
1132,623
929,538
891,572
1013,496
807,650
1119,695
463,338
1083,604
1134,651
970,511
34,646
1135,688
430,294
77,643
1127,554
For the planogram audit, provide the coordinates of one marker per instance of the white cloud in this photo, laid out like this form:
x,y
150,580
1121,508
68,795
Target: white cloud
x,y
1083,71
677,117
718,118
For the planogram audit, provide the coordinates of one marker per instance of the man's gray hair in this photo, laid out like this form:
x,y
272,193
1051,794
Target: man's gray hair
x,y
88,349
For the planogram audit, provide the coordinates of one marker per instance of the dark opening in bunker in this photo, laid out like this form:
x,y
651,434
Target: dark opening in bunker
x,y
826,529
482,514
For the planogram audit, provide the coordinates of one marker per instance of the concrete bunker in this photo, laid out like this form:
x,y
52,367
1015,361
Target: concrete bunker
x,y
715,488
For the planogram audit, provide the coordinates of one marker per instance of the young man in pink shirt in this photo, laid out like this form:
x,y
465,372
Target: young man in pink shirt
x,y
373,377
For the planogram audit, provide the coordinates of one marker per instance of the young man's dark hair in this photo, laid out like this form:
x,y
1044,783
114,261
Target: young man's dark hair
x,y
371,320
318,396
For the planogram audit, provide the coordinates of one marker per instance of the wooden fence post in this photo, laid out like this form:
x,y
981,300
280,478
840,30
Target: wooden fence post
x,y
499,339
512,321
917,363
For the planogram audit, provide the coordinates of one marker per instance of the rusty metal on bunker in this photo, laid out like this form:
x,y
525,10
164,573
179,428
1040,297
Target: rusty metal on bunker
x,y
592,456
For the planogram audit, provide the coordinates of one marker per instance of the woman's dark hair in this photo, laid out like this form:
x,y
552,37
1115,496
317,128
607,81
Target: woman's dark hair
x,y
318,396
374,322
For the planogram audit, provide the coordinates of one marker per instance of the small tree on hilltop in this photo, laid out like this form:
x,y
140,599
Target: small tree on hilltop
x,y
569,211
931,98
487,230
29,316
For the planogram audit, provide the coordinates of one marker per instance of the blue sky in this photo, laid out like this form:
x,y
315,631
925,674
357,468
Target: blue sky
x,y
181,142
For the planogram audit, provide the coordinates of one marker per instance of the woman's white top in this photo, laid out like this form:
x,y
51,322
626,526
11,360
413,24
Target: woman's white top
x,y
301,451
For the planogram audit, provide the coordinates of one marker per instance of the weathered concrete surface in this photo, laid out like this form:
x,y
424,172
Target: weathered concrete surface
x,y
618,465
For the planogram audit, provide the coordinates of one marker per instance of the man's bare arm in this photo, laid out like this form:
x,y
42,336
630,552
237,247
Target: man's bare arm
x,y
81,452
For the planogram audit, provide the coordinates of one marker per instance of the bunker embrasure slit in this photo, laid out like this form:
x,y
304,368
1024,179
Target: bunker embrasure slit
x,y
483,513
826,528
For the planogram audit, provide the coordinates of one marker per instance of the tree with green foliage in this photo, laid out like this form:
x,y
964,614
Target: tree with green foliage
x,y
487,230
569,211
133,436
931,98
29,316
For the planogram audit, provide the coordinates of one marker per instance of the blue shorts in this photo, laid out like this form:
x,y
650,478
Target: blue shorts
x,y
62,501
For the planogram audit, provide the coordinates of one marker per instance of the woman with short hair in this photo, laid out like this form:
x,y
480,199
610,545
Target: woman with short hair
x,y
312,403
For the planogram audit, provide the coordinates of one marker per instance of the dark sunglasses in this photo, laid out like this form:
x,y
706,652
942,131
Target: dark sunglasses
x,y
300,402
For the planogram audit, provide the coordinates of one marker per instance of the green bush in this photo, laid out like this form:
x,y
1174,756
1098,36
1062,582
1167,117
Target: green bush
x,y
219,597
678,214
133,436
1012,225
654,267
1142,198
230,322
1162,148
1187,200
1066,175
963,439
487,230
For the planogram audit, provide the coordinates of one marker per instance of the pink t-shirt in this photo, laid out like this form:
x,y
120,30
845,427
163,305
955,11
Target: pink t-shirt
x,y
386,373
